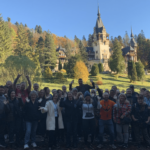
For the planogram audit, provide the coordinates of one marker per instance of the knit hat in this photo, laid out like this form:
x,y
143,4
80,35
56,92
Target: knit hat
x,y
87,93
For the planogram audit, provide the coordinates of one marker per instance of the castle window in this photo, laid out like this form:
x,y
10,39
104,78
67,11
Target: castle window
x,y
104,43
96,52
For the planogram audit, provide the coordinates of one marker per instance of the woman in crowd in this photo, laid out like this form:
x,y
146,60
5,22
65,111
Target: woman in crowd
x,y
74,93
48,96
141,117
14,117
54,120
88,119
71,118
42,123
122,119
31,116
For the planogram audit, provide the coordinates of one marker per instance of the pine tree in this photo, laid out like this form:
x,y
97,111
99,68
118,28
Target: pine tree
x,y
60,65
5,41
116,61
90,40
30,37
77,40
49,52
84,41
140,70
95,70
39,29
101,68
130,70
22,47
8,19
65,66
126,39
68,49
81,71
149,61
134,73
83,52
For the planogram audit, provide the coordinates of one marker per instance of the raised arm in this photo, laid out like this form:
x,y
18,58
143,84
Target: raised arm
x,y
15,81
70,85
99,91
29,82
93,85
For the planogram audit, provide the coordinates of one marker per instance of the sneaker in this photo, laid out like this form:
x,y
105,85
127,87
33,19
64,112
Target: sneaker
x,y
34,145
26,146
113,146
125,145
100,146
3,144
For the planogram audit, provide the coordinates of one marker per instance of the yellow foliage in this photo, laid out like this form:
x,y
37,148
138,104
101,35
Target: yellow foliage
x,y
99,78
81,71
63,70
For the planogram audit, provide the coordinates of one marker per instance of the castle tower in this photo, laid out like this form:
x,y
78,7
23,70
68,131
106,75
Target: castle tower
x,y
101,42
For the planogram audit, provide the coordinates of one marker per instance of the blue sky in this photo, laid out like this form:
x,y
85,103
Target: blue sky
x,y
78,17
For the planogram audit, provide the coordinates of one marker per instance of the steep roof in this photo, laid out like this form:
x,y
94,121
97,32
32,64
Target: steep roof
x,y
99,24
60,49
127,49
133,42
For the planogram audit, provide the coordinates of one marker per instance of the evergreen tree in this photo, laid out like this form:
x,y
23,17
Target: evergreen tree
x,y
95,70
116,61
60,65
22,47
149,61
83,52
5,41
77,40
8,19
140,70
84,41
39,29
68,49
101,68
30,37
48,72
25,25
126,39
36,28
90,40
17,24
50,55
70,65
130,70
65,66
134,73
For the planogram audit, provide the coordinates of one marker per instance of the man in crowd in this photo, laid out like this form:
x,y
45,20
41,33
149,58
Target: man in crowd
x,y
36,87
106,107
83,87
24,92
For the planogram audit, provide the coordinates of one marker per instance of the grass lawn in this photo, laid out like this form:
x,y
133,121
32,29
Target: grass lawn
x,y
108,81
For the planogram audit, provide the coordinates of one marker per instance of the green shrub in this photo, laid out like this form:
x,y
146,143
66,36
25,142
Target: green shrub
x,y
59,75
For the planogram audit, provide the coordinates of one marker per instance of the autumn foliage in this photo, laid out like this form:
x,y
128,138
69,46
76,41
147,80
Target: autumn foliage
x,y
81,71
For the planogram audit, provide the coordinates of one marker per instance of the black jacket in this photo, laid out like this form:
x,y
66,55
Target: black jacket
x,y
83,88
31,111
16,109
71,109
141,113
42,104
131,99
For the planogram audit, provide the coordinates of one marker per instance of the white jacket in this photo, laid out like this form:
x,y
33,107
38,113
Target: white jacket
x,y
50,120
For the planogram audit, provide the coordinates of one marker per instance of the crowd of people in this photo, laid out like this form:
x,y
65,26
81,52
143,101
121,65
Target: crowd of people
x,y
85,112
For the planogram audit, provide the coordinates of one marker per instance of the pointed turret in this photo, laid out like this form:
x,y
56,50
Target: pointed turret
x,y
99,23
133,42
132,33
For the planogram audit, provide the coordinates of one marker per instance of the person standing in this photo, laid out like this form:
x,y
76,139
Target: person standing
x,y
71,118
24,92
122,119
106,107
54,120
83,87
48,96
31,116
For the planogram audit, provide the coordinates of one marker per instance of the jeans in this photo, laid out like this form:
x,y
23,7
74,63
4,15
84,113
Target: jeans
x,y
122,137
71,130
110,126
88,124
31,128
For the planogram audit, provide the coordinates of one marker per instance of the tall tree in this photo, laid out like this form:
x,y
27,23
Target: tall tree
x,y
134,73
30,37
116,61
39,29
50,55
95,70
140,70
76,39
126,39
90,40
101,68
25,25
84,41
8,19
22,47
5,40
83,52
68,49
149,61
60,65
17,24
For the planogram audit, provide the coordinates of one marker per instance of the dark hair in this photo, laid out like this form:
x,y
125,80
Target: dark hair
x,y
45,89
58,90
144,89
9,93
140,96
80,79
112,90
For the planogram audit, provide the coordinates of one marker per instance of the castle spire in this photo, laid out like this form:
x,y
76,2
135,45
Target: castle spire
x,y
98,14
132,33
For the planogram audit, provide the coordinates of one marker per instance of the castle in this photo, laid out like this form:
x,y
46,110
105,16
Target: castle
x,y
100,51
